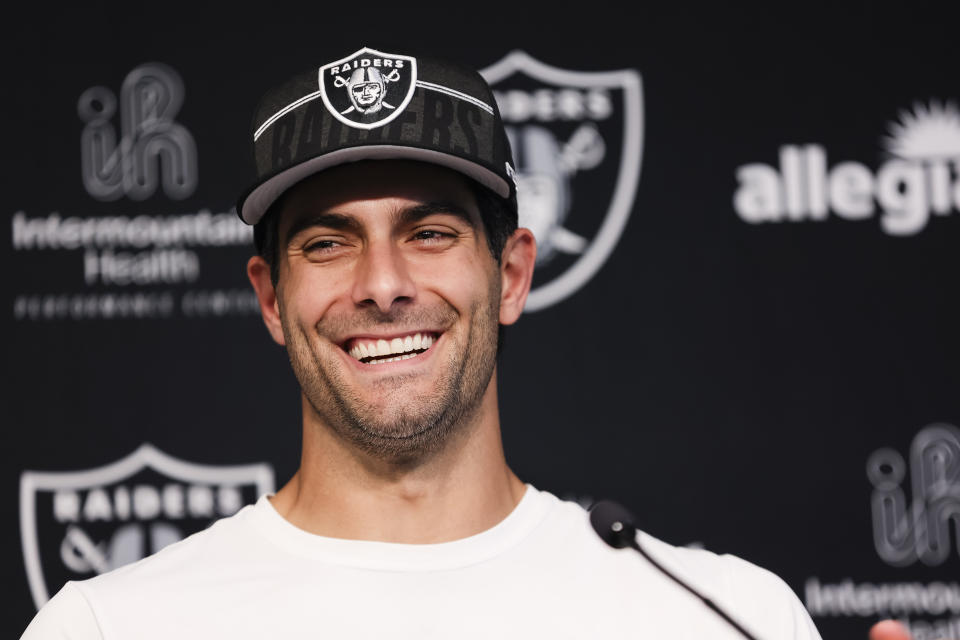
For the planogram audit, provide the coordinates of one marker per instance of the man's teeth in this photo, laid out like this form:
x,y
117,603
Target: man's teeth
x,y
380,351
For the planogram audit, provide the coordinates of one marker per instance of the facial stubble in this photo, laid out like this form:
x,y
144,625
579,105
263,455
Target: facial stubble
x,y
403,428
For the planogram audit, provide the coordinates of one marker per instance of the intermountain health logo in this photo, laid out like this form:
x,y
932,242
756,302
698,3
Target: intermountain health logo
x,y
920,178
915,511
132,259
77,524
905,533
152,149
577,138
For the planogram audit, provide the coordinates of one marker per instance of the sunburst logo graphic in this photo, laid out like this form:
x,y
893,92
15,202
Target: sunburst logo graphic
x,y
925,133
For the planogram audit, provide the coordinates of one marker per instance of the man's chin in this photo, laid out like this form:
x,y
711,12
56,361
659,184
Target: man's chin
x,y
394,395
406,440
394,422
394,432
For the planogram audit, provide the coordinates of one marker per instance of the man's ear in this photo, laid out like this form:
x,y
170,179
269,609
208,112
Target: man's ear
x,y
516,274
259,273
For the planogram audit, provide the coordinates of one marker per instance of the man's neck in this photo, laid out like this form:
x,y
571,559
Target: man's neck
x,y
462,490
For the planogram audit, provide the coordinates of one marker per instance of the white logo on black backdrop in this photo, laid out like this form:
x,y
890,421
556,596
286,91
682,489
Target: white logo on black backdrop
x,y
78,524
126,260
355,89
151,143
921,178
903,534
577,138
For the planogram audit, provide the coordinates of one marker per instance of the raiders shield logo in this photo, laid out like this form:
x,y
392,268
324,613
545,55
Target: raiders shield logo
x,y
74,525
577,139
369,88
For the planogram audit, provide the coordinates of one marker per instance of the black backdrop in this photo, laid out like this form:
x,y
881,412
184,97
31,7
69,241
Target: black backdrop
x,y
727,378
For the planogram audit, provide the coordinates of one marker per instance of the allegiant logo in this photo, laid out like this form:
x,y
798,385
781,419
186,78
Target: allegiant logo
x,y
922,179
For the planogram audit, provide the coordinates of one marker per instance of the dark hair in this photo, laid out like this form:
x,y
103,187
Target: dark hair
x,y
496,213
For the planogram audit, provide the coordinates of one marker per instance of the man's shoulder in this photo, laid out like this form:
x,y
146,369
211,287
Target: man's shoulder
x,y
752,594
199,544
67,615
80,606
722,571
220,543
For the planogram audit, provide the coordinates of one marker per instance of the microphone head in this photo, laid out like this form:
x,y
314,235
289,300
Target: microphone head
x,y
614,524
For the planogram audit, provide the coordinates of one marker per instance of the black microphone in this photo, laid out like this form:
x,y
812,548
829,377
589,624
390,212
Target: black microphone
x,y
614,524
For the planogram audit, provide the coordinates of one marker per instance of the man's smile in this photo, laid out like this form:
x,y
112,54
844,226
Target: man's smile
x,y
379,350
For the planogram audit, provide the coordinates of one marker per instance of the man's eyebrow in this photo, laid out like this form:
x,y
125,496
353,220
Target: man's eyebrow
x,y
335,221
416,213
406,216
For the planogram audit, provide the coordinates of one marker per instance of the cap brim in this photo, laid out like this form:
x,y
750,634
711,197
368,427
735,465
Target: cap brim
x,y
259,200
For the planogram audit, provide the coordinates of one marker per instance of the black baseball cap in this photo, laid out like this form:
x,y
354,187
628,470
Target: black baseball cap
x,y
375,105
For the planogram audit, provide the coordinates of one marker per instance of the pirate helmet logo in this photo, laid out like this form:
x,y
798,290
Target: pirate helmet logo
x,y
76,524
369,88
577,138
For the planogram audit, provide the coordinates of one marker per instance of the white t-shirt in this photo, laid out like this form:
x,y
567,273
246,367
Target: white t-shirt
x,y
540,573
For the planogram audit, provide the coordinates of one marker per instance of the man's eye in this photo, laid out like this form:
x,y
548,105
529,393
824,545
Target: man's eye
x,y
431,235
320,246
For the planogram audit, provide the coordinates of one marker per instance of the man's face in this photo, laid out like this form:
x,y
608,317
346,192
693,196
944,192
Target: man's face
x,y
366,94
389,302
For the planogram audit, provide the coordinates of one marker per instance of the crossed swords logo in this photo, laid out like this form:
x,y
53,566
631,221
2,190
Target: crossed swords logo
x,y
543,214
82,554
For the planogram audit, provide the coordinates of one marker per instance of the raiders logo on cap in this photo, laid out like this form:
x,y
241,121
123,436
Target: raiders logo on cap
x,y
368,88
440,112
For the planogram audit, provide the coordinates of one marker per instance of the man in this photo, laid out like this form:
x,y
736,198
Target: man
x,y
388,259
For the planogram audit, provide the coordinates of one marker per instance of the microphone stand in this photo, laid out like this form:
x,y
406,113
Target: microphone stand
x,y
614,525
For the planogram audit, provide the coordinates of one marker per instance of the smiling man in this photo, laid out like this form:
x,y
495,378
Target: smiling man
x,y
388,258
388,296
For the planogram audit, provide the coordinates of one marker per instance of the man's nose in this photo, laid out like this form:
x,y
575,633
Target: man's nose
x,y
382,277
